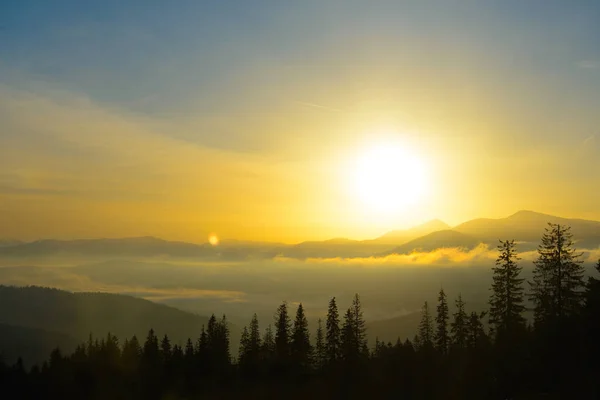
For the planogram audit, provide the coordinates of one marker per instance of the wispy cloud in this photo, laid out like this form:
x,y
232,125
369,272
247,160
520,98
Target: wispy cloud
x,y
318,106
589,64
452,257
589,140
444,257
66,279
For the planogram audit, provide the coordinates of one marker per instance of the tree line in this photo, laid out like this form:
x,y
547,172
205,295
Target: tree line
x,y
492,354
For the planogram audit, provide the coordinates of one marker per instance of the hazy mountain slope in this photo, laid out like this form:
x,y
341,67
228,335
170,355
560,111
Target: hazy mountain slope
x,y
142,246
389,330
528,226
334,248
9,242
79,314
341,247
31,344
525,226
402,236
437,240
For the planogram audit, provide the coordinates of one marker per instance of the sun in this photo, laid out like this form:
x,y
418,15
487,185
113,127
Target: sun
x,y
389,178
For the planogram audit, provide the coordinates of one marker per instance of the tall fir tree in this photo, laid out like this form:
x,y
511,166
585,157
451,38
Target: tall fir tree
x,y
189,349
359,326
166,348
442,339
151,354
557,285
282,333
218,356
459,325
254,341
349,350
506,301
426,328
353,334
475,330
268,344
301,350
332,334
202,344
223,342
320,350
131,354
244,347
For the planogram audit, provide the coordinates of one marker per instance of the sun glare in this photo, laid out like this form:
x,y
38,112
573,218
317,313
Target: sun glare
x,y
213,239
389,179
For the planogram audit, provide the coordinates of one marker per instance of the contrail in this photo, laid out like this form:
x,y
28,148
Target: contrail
x,y
314,105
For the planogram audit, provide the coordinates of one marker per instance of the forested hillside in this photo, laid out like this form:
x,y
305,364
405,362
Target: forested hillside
x,y
453,356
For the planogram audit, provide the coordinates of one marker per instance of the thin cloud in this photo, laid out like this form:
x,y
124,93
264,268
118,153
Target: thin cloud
x,y
452,257
318,106
444,257
64,278
588,64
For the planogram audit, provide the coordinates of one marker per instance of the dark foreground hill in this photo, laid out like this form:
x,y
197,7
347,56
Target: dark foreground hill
x,y
31,344
38,311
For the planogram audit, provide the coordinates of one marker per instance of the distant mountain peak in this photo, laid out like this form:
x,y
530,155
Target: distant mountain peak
x,y
529,214
432,225
400,236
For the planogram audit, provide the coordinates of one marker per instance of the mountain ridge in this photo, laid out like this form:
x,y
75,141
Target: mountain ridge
x,y
524,226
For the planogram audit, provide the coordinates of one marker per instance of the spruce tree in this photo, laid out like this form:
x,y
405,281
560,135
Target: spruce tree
x,y
506,301
349,349
458,327
202,344
151,350
359,326
244,347
426,327
268,344
476,332
189,349
165,348
282,333
301,350
223,352
442,340
332,334
320,350
254,341
131,354
556,288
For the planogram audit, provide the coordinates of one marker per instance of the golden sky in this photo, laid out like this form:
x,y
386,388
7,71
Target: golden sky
x,y
259,142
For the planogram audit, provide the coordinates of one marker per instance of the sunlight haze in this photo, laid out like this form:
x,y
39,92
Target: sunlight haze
x,y
114,126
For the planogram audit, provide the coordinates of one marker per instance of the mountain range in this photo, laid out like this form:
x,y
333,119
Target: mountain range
x,y
525,227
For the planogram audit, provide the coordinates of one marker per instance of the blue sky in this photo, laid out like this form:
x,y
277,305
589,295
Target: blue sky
x,y
155,56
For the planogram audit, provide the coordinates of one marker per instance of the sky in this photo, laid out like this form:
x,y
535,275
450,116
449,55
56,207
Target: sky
x,y
245,118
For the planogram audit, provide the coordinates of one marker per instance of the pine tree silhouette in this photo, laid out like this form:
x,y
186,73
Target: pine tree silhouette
x,y
458,327
442,339
282,333
320,350
506,301
333,334
426,328
556,288
301,349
